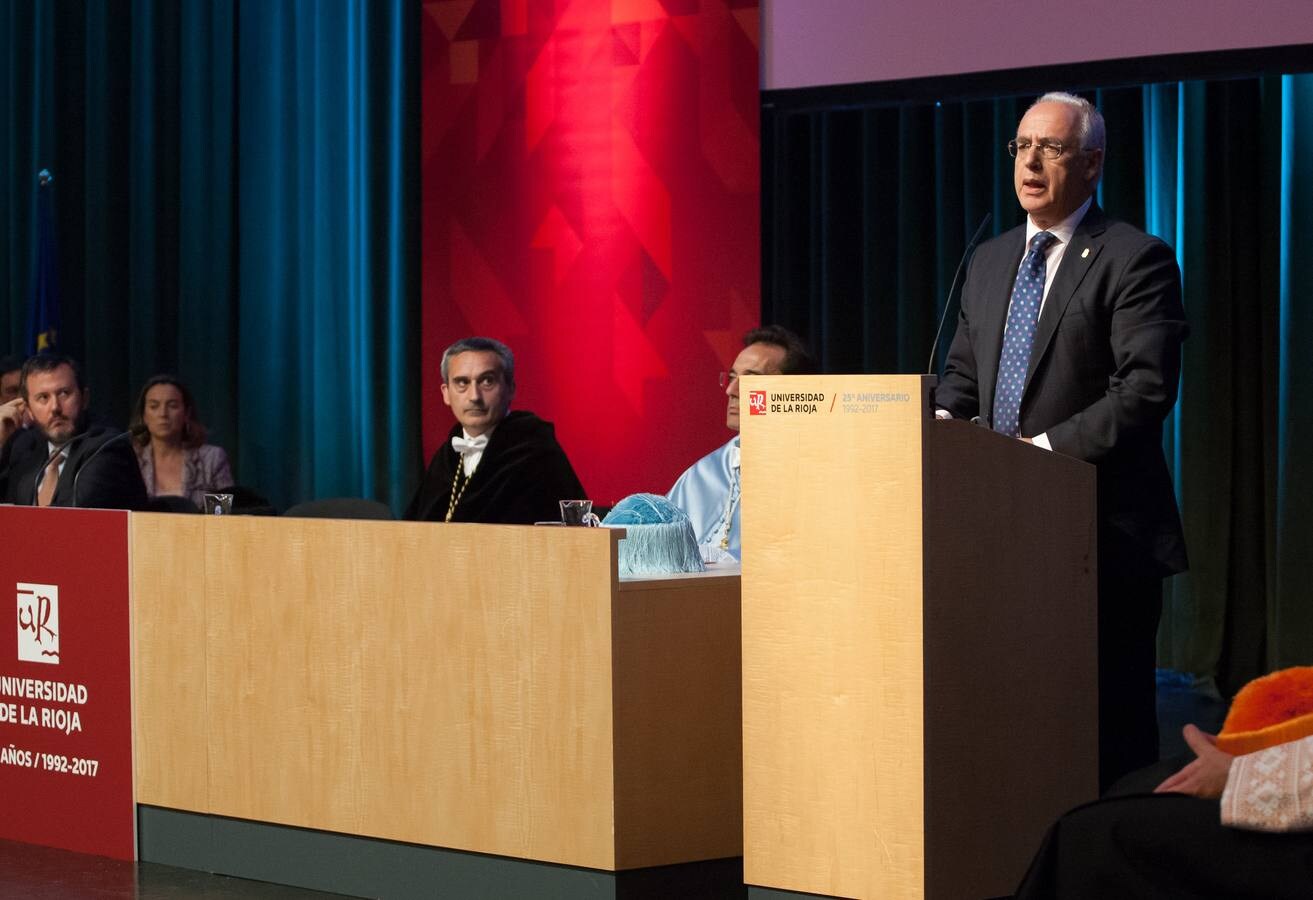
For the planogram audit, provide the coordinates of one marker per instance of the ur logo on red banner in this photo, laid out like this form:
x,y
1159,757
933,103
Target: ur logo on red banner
x,y
66,681
757,403
38,622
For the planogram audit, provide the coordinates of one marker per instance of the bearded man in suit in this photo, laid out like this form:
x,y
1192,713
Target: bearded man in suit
x,y
1070,338
63,459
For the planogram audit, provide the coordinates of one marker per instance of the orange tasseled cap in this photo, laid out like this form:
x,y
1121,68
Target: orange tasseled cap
x,y
1271,710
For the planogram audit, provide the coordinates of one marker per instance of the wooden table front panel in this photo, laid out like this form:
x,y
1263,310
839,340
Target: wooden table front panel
x,y
445,686
678,721
171,722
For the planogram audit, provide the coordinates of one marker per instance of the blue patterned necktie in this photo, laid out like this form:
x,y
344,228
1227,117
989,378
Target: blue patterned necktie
x,y
1019,336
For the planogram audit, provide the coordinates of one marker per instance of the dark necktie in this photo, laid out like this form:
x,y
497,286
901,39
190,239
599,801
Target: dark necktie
x,y
1019,336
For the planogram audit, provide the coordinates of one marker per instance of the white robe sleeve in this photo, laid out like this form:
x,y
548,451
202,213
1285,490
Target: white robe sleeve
x,y
1272,789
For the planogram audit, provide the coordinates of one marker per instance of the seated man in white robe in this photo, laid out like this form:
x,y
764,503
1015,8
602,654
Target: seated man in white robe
x,y
709,489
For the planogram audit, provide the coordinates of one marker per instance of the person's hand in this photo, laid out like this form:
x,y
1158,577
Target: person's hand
x,y
13,416
1206,776
1026,440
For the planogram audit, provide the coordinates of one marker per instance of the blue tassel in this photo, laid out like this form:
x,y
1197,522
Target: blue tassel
x,y
659,537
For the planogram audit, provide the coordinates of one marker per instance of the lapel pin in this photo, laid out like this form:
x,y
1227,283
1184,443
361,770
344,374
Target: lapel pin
x,y
1085,253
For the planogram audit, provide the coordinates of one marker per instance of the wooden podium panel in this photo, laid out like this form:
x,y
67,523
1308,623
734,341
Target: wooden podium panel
x,y
485,688
1011,638
832,650
918,642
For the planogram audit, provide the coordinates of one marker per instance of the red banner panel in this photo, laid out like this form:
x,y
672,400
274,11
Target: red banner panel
x,y
590,182
65,681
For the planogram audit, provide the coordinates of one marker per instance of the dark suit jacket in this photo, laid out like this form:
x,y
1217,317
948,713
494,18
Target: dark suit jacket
x,y
109,479
1103,373
522,476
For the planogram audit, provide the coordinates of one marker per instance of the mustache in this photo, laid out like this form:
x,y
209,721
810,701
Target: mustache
x,y
79,422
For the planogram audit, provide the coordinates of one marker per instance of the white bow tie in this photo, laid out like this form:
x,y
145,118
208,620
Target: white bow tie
x,y
473,445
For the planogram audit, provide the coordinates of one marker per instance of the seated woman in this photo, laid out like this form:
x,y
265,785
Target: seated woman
x,y
1235,822
170,443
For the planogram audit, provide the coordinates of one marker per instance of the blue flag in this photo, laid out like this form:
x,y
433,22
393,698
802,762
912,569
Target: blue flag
x,y
43,314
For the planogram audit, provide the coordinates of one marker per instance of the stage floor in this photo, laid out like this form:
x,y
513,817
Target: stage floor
x,y
40,873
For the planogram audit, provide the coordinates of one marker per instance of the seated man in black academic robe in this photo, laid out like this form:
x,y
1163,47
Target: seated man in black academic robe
x,y
497,466
63,459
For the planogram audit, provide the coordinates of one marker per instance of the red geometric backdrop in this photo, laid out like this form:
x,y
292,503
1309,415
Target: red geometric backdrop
x,y
590,181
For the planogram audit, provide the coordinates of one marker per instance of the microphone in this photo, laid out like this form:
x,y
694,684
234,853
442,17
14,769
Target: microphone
x,y
94,453
948,301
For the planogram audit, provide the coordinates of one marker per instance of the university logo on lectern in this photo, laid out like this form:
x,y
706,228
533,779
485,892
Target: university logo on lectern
x,y
38,623
757,403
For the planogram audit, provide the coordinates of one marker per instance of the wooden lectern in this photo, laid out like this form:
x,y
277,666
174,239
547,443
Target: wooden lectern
x,y
919,642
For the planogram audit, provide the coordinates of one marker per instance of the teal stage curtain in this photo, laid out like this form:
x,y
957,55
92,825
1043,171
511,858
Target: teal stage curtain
x,y
867,208
236,187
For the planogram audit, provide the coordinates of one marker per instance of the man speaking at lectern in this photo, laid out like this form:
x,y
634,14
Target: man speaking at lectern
x,y
1069,338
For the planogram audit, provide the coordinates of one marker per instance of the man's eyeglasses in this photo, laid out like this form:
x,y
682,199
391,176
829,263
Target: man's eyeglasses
x,y
1049,149
727,377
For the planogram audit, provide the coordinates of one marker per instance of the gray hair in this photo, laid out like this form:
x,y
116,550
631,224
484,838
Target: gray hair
x,y
483,345
1089,125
